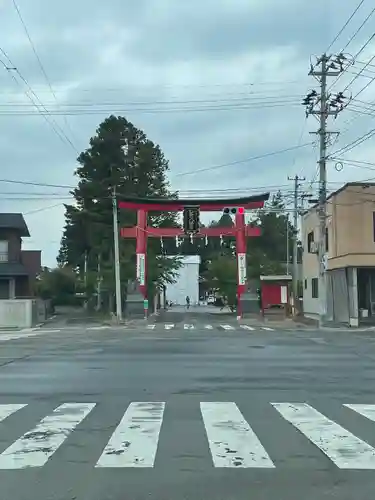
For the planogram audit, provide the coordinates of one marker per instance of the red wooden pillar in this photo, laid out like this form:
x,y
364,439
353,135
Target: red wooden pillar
x,y
141,251
241,260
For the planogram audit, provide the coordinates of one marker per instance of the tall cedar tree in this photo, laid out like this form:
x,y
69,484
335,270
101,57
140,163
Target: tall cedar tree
x,y
119,155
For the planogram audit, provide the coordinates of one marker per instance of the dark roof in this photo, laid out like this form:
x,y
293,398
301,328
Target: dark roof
x,y
10,269
14,221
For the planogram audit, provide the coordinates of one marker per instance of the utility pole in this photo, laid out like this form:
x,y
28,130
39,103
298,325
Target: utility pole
x,y
296,180
287,244
117,256
327,104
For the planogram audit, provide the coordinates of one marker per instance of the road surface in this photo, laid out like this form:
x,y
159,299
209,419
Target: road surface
x,y
183,414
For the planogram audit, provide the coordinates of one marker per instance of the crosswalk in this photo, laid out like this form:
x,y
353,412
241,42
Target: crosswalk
x,y
230,441
187,326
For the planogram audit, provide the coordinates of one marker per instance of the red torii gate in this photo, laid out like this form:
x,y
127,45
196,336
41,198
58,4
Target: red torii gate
x,y
142,231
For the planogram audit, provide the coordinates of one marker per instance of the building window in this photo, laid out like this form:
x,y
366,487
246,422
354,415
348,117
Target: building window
x,y
373,224
310,239
305,284
3,251
314,288
327,242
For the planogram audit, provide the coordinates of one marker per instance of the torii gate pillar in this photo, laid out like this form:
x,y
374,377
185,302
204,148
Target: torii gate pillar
x,y
141,251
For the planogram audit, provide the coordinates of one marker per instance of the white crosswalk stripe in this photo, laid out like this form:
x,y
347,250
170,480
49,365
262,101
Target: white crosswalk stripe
x,y
151,326
208,327
227,327
188,327
367,411
341,446
7,410
34,448
247,327
231,441
103,327
135,440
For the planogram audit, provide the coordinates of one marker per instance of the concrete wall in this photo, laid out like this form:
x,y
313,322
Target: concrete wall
x,y
22,313
16,313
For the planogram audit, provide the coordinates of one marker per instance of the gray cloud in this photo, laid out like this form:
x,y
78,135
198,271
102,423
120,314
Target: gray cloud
x,y
126,53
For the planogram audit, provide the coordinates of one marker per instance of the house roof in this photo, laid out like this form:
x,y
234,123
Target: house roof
x,y
14,221
10,269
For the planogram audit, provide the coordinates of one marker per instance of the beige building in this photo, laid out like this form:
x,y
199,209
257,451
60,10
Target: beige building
x,y
350,257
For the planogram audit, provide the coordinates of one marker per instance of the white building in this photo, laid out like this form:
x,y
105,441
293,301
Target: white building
x,y
187,283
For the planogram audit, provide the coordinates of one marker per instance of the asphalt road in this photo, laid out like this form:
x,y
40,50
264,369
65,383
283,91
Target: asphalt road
x,y
187,414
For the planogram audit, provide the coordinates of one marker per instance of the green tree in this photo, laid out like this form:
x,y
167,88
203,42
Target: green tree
x,y
118,155
59,284
222,276
267,254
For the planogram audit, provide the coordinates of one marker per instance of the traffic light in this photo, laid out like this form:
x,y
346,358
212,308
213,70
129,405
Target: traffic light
x,y
191,220
234,210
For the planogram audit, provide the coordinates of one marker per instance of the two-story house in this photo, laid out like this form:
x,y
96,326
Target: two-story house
x,y
350,255
18,268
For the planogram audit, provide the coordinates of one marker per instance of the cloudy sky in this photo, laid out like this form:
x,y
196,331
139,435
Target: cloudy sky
x,y
214,82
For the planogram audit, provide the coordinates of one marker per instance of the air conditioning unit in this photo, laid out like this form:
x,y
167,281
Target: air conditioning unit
x,y
314,247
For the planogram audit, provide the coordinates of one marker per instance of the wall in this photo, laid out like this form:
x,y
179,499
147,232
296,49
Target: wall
x,y
31,259
187,282
16,313
310,268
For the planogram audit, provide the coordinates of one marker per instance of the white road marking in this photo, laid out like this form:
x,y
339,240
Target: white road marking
x,y
227,327
103,327
151,326
14,336
247,327
267,328
367,411
341,446
135,440
7,410
168,326
232,441
35,447
188,327
208,327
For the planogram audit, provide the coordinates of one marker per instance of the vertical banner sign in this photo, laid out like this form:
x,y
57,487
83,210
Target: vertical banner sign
x,y
141,268
242,269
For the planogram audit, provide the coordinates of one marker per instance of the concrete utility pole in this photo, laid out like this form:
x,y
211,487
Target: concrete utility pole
x,y
326,66
117,256
296,180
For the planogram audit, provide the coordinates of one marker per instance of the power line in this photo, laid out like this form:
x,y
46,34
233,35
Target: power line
x,y
237,162
41,66
358,29
345,25
55,126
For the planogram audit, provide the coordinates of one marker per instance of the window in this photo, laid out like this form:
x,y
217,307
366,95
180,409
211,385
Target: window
x,y
373,224
3,251
310,239
327,242
305,284
314,288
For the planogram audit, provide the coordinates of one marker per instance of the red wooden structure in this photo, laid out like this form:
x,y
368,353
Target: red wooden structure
x,y
142,231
